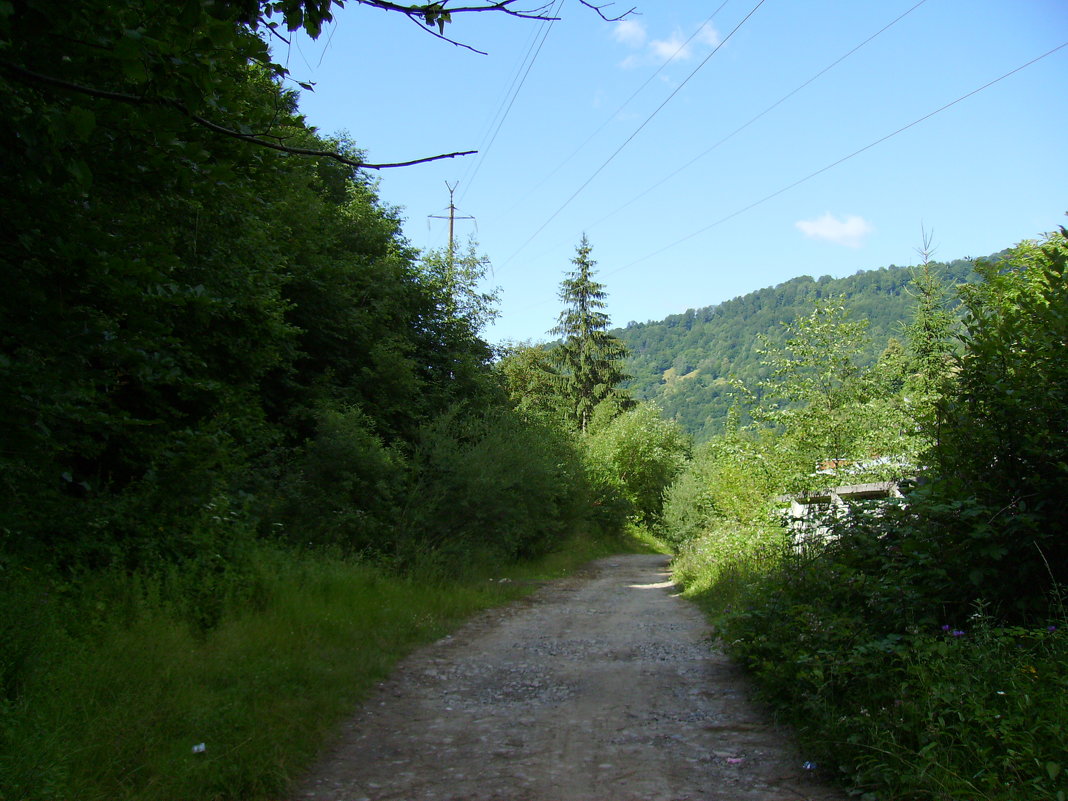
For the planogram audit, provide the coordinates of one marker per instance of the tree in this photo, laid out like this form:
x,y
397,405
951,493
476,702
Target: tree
x,y
641,453
532,382
928,333
1002,454
183,311
457,359
817,389
589,358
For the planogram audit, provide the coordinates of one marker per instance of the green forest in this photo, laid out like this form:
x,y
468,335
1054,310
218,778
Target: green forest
x,y
686,362
255,447
244,423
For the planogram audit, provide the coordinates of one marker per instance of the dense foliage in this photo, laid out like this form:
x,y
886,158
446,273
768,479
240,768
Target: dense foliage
x,y
918,644
203,336
1002,446
641,453
219,354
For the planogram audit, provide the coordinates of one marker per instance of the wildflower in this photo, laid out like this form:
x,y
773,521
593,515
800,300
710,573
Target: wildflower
x,y
946,627
1051,629
957,633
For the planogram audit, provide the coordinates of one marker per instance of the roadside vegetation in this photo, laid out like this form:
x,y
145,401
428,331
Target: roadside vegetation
x,y
254,448
919,645
253,445
116,687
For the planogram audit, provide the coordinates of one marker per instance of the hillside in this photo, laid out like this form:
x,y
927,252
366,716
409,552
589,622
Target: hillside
x,y
685,362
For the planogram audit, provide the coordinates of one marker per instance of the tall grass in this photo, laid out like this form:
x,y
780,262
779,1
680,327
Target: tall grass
x,y
110,684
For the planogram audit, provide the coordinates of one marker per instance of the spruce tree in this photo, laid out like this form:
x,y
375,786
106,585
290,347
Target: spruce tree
x,y
589,358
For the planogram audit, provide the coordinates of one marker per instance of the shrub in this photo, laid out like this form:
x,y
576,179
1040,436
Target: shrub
x,y
495,482
730,480
641,453
1003,446
344,485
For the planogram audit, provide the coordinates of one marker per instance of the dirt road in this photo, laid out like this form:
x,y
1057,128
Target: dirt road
x,y
603,686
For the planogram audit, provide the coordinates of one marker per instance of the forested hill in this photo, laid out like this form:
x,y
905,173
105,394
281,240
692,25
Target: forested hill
x,y
685,361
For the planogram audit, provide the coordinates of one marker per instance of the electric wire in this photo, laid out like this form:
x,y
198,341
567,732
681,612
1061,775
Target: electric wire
x,y
625,103
503,100
627,141
514,95
842,160
770,108
754,119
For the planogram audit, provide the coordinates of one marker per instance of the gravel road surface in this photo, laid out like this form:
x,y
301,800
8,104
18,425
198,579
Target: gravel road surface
x,y
602,686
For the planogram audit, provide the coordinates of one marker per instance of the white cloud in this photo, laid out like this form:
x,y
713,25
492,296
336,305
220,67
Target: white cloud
x,y
708,35
679,45
663,49
849,232
629,32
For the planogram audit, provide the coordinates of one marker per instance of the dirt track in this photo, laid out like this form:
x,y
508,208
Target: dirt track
x,y
600,686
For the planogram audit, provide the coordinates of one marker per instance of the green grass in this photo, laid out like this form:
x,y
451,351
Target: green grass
x,y
112,696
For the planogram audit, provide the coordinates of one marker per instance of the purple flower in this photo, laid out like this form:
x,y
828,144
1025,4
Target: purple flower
x,y
945,627
957,633
1051,629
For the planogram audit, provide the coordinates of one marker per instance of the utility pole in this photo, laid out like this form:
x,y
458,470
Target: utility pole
x,y
452,218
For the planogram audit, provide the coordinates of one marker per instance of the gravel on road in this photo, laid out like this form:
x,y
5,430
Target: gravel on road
x,y
603,686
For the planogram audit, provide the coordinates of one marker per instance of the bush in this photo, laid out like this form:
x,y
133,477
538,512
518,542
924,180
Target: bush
x,y
640,453
1003,445
343,489
496,482
729,483
886,690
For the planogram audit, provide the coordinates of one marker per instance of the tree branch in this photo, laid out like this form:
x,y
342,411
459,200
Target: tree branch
x,y
600,11
445,38
434,10
26,76
427,15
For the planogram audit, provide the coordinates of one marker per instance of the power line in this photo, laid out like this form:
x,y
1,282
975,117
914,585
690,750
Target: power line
x,y
634,134
625,103
770,108
534,33
503,100
514,95
834,164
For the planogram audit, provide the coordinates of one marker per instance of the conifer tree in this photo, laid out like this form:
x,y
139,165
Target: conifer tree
x,y
589,358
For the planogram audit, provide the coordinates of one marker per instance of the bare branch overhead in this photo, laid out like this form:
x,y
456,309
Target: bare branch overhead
x,y
28,77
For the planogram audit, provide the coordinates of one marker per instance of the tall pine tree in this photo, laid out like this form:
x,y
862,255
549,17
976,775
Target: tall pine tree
x,y
589,358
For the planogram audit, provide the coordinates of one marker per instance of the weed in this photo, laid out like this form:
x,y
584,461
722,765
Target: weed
x,y
110,684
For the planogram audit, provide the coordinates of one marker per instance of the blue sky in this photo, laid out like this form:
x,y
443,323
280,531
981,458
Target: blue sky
x,y
685,214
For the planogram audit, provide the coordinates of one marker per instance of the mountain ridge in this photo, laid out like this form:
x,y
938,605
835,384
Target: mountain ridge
x,y
686,361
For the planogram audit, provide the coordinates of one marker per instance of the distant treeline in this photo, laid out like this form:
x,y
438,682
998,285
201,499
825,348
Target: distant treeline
x,y
686,361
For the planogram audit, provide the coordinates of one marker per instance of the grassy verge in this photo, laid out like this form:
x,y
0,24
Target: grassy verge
x,y
962,710
116,689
